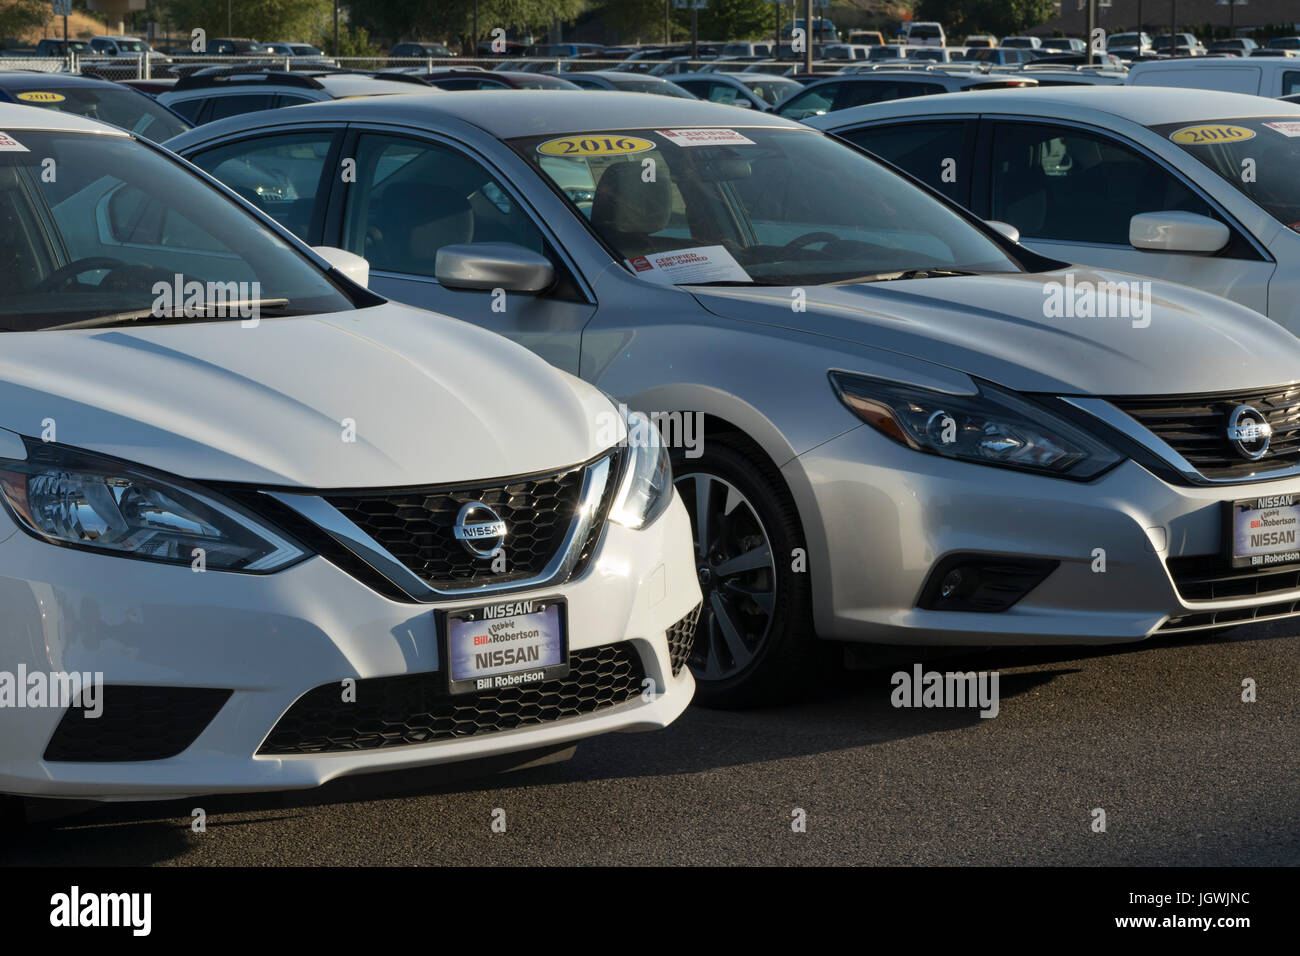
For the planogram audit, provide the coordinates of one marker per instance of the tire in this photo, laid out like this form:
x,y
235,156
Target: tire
x,y
754,644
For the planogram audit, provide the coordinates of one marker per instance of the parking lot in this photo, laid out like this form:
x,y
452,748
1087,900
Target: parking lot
x,y
1156,735
377,417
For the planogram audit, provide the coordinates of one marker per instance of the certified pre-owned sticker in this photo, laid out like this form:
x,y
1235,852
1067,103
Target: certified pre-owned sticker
x,y
41,96
1210,133
1286,127
705,137
10,145
595,144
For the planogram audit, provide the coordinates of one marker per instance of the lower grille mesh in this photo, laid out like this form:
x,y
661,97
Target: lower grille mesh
x,y
681,638
415,708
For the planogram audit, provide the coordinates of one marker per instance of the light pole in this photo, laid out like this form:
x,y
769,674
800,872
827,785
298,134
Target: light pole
x,y
807,35
337,51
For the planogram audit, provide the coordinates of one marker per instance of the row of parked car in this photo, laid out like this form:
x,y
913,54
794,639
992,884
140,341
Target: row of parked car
x,y
319,433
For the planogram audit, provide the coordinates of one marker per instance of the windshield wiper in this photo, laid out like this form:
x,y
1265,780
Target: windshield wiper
x,y
140,315
907,274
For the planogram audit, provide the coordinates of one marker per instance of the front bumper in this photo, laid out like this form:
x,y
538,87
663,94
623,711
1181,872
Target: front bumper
x,y
879,516
270,639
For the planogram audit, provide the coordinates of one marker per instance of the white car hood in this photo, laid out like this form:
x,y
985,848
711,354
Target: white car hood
x,y
995,327
433,399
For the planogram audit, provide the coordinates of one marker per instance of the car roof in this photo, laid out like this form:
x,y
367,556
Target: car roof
x,y
359,84
1147,105
506,114
16,117
1214,63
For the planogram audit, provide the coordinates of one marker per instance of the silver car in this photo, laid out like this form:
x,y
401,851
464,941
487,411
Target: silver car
x,y
892,424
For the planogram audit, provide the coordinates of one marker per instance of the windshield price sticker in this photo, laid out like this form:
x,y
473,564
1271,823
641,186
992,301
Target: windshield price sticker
x,y
687,266
41,96
1291,128
595,145
1210,134
705,137
10,145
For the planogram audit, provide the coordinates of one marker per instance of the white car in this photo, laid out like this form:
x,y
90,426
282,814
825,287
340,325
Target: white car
x,y
303,532
1193,187
1260,76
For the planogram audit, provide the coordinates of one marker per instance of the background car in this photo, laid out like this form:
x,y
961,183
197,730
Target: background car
x,y
845,92
1128,44
1240,46
122,46
1186,45
1090,174
1021,43
1064,44
750,90
295,603
95,99
999,56
676,295
207,96
626,83
51,47
456,79
1260,77
437,51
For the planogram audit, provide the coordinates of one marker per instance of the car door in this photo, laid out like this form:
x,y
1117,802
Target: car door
x,y
1071,191
413,195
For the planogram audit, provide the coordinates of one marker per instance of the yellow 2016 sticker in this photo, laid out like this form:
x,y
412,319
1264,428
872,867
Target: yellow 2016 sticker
x,y
1210,133
595,144
41,96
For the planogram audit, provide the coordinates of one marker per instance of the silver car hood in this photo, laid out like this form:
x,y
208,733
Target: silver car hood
x,y
433,399
995,327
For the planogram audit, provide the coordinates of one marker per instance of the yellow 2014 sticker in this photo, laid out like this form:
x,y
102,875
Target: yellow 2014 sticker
x,y
41,96
595,144
1210,133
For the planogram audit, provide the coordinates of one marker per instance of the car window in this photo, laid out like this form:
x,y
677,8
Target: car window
x,y
236,104
859,94
281,175
109,103
293,99
1290,82
411,197
929,151
189,109
120,220
813,102
740,206
1059,183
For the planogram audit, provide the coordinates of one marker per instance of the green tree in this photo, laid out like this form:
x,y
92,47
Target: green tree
x,y
259,19
438,19
734,19
999,17
17,16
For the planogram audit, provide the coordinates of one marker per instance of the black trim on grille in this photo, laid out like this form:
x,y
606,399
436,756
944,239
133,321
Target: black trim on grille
x,y
1196,426
1232,617
416,709
1209,578
681,639
137,723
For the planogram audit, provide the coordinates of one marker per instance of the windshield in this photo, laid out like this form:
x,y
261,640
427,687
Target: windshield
x,y
762,206
96,226
1268,148
117,106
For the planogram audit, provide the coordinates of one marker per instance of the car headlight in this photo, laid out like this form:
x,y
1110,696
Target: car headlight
x,y
995,427
75,498
647,485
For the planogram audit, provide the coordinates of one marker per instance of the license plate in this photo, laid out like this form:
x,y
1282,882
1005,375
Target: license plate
x,y
1264,532
508,644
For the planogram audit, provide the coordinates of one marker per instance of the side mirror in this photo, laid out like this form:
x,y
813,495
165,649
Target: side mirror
x,y
349,263
1176,232
493,265
1008,230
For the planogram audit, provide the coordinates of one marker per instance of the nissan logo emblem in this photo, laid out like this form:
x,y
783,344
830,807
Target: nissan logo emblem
x,y
480,529
1249,432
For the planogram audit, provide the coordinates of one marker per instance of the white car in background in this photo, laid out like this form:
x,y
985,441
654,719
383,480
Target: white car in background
x,y
348,537
1198,188
1260,76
